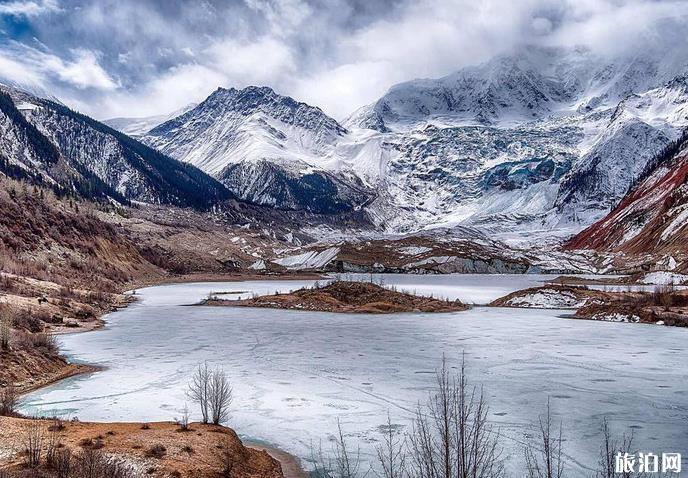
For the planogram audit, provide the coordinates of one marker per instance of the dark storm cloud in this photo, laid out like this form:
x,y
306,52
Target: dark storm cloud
x,y
140,57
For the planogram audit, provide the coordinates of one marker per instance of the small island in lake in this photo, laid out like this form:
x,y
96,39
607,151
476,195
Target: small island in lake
x,y
347,296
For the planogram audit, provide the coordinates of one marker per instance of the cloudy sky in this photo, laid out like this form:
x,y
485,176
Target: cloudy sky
x,y
112,58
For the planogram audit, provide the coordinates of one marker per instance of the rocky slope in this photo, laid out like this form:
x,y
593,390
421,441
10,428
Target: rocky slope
x,y
266,148
52,145
652,219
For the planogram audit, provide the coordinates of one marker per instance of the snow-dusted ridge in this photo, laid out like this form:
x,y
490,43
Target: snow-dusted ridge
x,y
55,146
267,148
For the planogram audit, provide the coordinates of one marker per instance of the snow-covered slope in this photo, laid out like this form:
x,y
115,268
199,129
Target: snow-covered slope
x,y
641,125
136,127
53,145
267,148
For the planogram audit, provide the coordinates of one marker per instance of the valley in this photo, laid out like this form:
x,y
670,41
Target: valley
x,y
523,220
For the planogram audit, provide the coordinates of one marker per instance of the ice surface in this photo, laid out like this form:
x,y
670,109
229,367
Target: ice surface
x,y
468,288
295,372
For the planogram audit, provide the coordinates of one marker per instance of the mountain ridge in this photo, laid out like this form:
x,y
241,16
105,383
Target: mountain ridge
x,y
77,154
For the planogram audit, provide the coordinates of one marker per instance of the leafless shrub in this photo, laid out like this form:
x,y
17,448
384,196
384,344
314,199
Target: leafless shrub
x,y
391,454
33,445
543,455
199,389
226,458
609,449
9,398
156,451
663,295
57,425
52,445
62,463
451,436
86,443
188,449
5,330
183,422
347,462
45,340
94,464
342,462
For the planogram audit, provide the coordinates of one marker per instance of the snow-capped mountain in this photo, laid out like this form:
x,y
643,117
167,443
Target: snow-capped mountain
x,y
653,217
545,140
135,127
58,147
266,148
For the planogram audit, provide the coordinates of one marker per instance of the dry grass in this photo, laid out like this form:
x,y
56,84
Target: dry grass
x,y
348,296
158,451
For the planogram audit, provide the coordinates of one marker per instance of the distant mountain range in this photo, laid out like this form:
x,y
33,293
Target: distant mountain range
x,y
136,127
542,142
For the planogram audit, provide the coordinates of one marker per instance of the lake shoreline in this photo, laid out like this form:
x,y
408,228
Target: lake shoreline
x,y
291,465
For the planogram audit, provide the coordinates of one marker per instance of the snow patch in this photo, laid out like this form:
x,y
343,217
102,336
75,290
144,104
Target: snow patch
x,y
617,317
547,299
309,260
414,250
664,278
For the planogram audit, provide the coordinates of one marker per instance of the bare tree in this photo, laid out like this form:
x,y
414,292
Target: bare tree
x,y
391,454
199,389
543,455
451,436
220,396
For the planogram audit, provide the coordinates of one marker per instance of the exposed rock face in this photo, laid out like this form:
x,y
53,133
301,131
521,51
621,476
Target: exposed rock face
x,y
652,219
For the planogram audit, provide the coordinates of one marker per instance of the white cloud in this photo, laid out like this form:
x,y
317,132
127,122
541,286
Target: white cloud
x,y
28,8
14,71
172,90
82,72
39,70
262,61
160,55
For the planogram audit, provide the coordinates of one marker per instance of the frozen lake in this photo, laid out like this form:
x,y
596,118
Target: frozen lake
x,y
295,372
